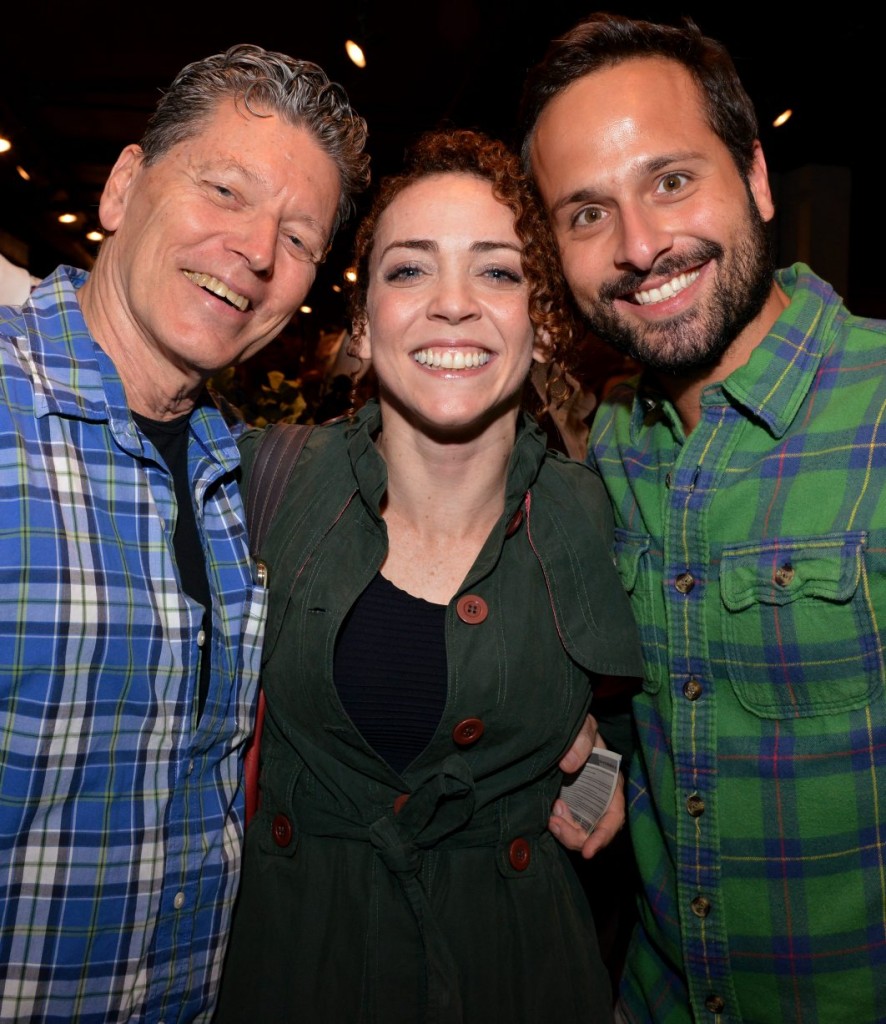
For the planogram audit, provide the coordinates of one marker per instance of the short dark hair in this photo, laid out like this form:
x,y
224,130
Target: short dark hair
x,y
265,81
603,40
459,151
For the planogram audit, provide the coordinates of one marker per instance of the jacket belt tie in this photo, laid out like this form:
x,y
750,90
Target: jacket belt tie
x,y
437,806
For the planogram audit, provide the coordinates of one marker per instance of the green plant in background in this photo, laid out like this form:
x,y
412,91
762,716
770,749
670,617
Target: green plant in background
x,y
277,399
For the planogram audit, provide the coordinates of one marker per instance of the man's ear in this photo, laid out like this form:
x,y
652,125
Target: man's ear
x,y
115,195
758,182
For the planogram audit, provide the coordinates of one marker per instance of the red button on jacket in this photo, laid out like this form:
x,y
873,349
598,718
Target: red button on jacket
x,y
471,609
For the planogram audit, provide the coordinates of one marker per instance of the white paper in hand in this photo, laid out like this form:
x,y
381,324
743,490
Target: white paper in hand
x,y
589,792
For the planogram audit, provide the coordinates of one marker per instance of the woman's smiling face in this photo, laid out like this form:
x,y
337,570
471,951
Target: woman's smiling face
x,y
447,312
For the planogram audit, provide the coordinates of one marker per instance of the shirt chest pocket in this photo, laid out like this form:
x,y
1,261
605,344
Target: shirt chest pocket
x,y
799,634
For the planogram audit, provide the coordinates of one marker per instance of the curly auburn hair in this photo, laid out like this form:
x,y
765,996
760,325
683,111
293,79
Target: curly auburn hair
x,y
459,151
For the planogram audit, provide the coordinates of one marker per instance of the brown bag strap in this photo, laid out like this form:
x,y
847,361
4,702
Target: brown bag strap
x,y
275,459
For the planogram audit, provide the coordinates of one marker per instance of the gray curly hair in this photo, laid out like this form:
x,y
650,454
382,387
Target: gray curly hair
x,y
266,82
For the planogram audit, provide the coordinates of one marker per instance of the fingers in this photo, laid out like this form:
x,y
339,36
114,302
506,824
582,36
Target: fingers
x,y
565,828
575,757
610,824
575,837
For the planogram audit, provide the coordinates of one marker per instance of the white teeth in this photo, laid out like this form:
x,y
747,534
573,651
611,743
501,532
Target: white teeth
x,y
668,290
451,358
219,288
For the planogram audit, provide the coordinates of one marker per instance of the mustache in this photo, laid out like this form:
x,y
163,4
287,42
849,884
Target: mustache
x,y
668,266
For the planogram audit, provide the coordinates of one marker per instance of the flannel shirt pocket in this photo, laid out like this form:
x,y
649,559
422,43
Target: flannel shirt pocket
x,y
799,633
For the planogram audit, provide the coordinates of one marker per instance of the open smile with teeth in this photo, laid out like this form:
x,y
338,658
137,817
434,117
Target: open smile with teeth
x,y
451,358
666,291
219,288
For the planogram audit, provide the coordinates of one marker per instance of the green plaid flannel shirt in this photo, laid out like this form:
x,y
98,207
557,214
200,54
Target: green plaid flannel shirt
x,y
754,552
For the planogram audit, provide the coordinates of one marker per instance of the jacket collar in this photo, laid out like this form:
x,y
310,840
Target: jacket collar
x,y
372,477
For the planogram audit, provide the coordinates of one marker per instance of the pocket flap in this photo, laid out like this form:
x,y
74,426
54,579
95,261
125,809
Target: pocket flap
x,y
629,549
782,571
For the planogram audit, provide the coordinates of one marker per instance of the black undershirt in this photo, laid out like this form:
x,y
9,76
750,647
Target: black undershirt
x,y
170,437
390,670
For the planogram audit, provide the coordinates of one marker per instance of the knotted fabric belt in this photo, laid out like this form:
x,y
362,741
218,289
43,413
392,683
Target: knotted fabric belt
x,y
437,807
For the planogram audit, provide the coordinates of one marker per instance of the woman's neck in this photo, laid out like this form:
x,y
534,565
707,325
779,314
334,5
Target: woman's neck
x,y
442,501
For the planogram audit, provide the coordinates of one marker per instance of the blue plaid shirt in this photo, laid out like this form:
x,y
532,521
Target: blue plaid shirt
x,y
120,814
754,552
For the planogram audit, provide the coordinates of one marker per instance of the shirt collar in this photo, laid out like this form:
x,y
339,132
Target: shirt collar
x,y
75,377
773,383
68,371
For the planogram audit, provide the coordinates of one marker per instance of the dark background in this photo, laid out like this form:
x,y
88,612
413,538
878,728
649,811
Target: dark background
x,y
78,81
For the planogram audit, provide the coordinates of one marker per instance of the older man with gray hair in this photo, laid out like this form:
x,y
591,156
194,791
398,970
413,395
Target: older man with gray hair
x,y
130,623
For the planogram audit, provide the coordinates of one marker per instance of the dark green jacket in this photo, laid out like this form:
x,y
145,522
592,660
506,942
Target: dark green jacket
x,y
455,904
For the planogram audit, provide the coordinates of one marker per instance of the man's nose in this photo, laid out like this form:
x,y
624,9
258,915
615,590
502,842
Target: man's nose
x,y
643,236
256,241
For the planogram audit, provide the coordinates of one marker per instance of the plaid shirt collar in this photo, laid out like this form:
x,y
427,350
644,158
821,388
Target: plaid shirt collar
x,y
77,378
773,383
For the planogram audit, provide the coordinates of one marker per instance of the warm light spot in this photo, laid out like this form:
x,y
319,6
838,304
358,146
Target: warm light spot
x,y
782,117
351,274
22,173
336,287
5,145
67,218
94,236
305,309
355,52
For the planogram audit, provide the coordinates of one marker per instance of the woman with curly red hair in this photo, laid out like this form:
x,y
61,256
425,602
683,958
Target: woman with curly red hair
x,y
444,600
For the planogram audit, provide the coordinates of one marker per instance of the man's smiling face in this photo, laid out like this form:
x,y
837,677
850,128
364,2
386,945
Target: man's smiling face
x,y
663,242
215,242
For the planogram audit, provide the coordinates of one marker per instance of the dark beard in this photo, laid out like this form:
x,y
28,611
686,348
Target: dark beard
x,y
697,338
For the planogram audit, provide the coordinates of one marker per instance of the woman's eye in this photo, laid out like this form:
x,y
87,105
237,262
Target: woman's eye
x,y
223,191
504,274
404,273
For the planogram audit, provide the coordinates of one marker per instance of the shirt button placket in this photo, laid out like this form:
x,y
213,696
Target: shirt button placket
x,y
692,689
695,805
715,1004
700,906
684,582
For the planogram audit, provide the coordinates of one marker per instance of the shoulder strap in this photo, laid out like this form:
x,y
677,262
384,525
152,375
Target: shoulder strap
x,y
275,459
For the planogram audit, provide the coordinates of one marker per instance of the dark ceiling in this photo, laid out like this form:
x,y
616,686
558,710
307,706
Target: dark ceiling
x,y
80,79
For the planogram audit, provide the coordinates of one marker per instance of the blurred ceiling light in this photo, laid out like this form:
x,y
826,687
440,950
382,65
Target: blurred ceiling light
x,y
351,274
355,52
67,218
336,287
5,145
94,236
305,309
782,117
22,173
